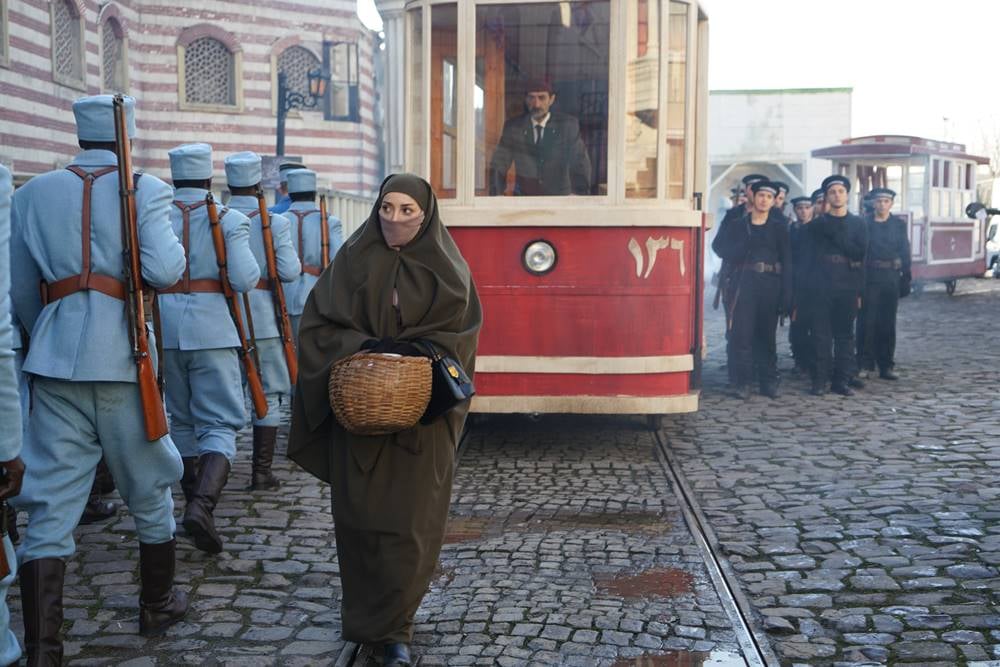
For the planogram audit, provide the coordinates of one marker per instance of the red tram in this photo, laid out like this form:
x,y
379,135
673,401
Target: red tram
x,y
585,237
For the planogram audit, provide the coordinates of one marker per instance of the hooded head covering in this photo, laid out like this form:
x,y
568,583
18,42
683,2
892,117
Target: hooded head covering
x,y
353,303
401,232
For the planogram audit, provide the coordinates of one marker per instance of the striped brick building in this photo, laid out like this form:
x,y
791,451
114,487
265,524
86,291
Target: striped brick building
x,y
202,70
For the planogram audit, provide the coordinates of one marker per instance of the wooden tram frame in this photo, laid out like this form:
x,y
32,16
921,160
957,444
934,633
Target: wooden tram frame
x,y
604,350
945,246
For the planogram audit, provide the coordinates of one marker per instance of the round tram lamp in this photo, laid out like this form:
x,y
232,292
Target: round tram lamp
x,y
539,257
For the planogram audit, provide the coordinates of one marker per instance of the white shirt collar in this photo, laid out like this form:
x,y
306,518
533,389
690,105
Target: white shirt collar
x,y
543,122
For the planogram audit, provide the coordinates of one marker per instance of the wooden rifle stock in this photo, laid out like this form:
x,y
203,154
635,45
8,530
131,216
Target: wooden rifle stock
x,y
153,413
324,235
277,291
254,380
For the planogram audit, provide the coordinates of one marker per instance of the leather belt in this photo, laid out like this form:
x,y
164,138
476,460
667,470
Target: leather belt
x,y
191,286
62,288
311,270
885,264
840,259
763,267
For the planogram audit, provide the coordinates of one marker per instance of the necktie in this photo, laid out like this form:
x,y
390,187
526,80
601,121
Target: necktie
x,y
538,133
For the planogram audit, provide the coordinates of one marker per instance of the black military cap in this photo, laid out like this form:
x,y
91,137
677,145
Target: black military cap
x,y
818,194
753,178
801,200
882,192
764,186
781,185
834,180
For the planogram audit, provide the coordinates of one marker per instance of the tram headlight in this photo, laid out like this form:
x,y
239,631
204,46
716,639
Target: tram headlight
x,y
539,257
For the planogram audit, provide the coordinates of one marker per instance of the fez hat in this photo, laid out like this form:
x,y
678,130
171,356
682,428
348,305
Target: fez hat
x,y
95,119
243,169
191,162
538,84
835,180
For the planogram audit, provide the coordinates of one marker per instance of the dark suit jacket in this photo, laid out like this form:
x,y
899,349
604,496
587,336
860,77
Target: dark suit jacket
x,y
558,166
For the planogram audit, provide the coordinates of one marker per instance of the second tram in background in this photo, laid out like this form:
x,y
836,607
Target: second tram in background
x,y
584,236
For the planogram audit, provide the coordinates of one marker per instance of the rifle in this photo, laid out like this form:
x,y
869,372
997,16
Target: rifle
x,y
324,235
246,352
153,413
277,291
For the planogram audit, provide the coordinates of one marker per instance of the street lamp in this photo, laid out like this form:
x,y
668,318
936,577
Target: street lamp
x,y
293,99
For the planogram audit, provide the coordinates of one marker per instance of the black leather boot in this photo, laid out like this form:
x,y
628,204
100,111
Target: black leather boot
x,y
97,510
261,477
190,476
42,609
396,654
213,472
160,606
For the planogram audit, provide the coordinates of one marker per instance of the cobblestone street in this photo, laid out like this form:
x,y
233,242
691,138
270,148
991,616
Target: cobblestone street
x,y
862,530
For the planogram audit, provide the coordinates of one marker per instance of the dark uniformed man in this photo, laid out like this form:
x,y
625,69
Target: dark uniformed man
x,y
836,249
887,278
779,199
757,248
799,330
819,202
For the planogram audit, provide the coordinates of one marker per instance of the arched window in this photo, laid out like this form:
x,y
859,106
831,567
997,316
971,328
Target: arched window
x,y
210,67
68,66
296,62
114,69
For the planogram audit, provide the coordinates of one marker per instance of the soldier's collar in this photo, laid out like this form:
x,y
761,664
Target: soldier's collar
x,y
95,158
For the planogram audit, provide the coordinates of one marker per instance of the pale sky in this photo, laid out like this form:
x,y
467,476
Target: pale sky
x,y
912,63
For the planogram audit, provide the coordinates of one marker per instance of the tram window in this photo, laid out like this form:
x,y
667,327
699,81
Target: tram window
x,y
677,42
642,92
968,178
894,181
545,62
444,94
936,173
915,190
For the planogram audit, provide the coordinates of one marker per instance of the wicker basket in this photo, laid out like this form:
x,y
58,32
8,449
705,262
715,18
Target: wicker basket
x,y
377,394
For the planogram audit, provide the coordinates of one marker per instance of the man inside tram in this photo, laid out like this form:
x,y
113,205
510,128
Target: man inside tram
x,y
545,147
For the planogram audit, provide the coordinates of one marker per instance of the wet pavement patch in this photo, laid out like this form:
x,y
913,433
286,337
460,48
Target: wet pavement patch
x,y
660,582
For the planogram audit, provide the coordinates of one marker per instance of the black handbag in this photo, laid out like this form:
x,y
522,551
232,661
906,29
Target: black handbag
x,y
451,384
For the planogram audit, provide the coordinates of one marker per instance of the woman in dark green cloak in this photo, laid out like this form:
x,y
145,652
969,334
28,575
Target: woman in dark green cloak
x,y
397,279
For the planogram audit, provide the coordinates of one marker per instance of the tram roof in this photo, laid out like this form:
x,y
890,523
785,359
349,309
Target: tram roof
x,y
895,145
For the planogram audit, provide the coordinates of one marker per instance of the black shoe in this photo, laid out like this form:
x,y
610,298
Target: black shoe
x,y
261,477
160,605
855,382
98,510
888,374
213,472
769,390
42,610
842,389
818,388
742,392
397,654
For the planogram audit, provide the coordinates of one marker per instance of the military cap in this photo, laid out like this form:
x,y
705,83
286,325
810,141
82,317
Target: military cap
x,y
286,167
818,194
764,186
95,119
835,180
781,185
243,169
801,200
301,180
751,178
882,192
191,162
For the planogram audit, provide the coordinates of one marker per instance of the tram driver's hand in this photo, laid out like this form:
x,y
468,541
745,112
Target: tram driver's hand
x,y
13,475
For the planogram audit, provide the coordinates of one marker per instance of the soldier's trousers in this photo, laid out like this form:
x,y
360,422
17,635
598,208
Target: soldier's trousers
x,y
755,320
10,650
877,325
832,315
23,391
294,321
274,374
72,425
204,400
800,337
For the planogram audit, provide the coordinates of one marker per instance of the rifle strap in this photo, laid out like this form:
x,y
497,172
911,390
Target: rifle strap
x,y
85,280
185,283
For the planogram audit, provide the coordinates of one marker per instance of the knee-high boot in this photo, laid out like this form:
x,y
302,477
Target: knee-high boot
x,y
190,476
42,608
213,472
160,606
261,477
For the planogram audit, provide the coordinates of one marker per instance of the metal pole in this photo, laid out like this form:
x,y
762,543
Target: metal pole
x,y
282,112
327,69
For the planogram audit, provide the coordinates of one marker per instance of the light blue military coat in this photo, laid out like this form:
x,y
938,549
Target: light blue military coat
x,y
289,268
200,320
307,240
84,336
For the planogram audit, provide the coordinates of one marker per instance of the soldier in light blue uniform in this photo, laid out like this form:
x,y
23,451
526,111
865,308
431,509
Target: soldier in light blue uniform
x,y
85,399
200,343
243,173
10,417
284,201
306,236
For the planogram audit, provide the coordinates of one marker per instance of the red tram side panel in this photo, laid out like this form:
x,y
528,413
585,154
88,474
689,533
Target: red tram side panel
x,y
613,328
